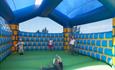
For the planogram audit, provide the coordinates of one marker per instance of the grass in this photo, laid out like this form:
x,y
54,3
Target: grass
x,y
34,60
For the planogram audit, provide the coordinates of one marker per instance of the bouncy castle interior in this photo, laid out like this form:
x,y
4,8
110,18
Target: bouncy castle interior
x,y
93,48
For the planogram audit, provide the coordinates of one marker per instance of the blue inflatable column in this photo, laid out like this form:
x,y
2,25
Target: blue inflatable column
x,y
15,29
67,33
113,48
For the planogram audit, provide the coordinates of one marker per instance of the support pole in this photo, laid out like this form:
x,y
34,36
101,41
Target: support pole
x,y
67,33
15,29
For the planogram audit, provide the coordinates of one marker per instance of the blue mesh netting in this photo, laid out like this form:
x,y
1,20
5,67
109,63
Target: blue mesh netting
x,y
19,4
72,8
4,27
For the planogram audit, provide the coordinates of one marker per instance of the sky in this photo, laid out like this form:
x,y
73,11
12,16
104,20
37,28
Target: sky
x,y
39,23
100,26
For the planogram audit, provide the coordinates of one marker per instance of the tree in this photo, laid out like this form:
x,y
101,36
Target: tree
x,y
37,31
45,30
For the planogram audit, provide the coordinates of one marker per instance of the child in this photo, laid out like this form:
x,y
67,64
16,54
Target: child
x,y
72,44
57,62
50,45
20,47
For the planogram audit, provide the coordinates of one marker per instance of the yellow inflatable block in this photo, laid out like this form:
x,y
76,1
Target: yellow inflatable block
x,y
113,60
113,21
113,50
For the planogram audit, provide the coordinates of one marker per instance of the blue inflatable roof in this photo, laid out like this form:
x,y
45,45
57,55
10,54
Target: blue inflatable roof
x,y
19,4
72,8
68,13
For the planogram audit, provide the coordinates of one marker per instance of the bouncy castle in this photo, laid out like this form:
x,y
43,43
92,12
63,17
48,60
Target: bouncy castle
x,y
92,48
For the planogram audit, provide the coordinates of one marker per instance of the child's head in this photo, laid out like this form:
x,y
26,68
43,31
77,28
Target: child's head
x,y
20,39
57,56
72,37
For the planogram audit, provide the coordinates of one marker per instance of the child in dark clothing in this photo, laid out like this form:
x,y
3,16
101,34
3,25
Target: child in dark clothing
x,y
57,64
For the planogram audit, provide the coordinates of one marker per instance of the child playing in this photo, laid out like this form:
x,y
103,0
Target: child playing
x,y
72,45
57,62
50,45
20,47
